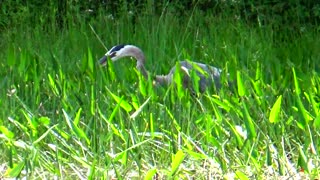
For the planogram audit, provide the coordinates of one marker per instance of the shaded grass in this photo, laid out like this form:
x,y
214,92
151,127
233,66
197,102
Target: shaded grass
x,y
63,115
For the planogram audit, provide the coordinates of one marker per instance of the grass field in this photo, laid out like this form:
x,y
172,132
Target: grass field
x,y
63,116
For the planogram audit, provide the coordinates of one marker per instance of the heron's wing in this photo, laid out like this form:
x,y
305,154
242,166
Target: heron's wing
x,y
201,69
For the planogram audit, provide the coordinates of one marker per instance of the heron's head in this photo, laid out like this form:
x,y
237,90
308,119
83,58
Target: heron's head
x,y
120,51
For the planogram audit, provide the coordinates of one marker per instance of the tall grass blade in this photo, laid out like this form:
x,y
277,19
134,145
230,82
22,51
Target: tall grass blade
x,y
249,123
115,130
23,65
93,100
32,123
303,160
11,57
195,81
20,126
151,125
296,83
236,133
53,86
122,156
91,65
84,64
177,126
44,135
137,112
74,128
302,122
315,105
111,72
178,79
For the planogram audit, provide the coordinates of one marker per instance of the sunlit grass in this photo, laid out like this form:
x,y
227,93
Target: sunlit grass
x,y
64,116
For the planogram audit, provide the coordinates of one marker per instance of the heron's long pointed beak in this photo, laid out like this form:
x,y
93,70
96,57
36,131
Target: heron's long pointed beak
x,y
103,61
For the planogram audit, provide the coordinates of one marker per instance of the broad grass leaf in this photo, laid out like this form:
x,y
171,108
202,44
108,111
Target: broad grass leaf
x,y
9,134
196,155
225,104
123,104
15,171
150,174
317,122
32,122
176,161
77,118
142,83
240,175
91,64
62,133
198,69
44,120
124,157
134,101
241,87
257,87
275,111
111,71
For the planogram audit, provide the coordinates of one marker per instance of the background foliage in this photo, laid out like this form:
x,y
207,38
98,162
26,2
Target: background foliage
x,y
291,13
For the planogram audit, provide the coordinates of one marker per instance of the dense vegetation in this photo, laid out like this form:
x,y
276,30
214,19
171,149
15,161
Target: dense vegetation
x,y
63,116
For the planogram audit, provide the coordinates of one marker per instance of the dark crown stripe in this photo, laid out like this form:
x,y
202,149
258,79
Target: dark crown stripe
x,y
117,48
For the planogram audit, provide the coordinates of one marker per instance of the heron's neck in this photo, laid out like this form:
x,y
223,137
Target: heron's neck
x,y
137,53
142,69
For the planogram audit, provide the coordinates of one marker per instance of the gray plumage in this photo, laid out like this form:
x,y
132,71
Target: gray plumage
x,y
208,75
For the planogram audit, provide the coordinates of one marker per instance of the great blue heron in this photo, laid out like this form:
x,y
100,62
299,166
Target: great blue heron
x,y
208,75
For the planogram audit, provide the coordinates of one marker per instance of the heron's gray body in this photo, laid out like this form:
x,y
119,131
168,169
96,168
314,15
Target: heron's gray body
x,y
207,75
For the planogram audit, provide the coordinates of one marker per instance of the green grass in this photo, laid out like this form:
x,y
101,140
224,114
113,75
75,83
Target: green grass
x,y
64,116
